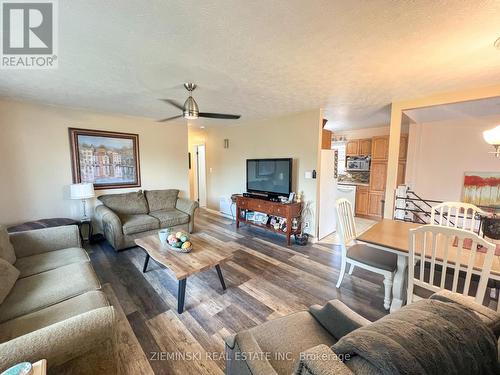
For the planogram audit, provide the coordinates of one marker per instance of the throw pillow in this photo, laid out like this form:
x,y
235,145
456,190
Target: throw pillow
x,y
6,248
8,277
133,203
161,199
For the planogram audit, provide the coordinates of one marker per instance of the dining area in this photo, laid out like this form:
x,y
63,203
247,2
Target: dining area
x,y
451,252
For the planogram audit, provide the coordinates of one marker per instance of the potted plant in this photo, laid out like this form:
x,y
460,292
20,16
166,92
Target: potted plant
x,y
305,217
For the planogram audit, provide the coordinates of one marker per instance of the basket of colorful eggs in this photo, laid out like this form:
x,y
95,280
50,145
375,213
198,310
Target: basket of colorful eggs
x,y
179,242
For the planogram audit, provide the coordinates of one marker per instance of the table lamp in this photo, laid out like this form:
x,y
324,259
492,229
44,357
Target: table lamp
x,y
83,191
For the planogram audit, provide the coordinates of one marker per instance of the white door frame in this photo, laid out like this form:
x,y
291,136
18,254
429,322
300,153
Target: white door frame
x,y
200,174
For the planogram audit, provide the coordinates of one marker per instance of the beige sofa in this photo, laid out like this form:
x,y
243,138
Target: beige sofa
x,y
124,217
51,305
448,333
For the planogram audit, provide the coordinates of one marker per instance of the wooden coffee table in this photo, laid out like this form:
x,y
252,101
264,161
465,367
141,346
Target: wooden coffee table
x,y
207,252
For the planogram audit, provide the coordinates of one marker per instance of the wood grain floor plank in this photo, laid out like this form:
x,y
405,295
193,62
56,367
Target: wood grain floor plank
x,y
173,337
132,359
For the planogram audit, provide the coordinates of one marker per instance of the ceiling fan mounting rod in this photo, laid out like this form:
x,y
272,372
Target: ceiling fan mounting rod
x,y
190,86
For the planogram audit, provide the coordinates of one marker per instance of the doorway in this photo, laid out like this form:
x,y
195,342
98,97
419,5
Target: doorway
x,y
200,175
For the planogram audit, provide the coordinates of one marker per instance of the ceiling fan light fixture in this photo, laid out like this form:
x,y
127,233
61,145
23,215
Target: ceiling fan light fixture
x,y
492,137
191,110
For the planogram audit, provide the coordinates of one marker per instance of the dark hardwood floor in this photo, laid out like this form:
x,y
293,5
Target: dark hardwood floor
x,y
265,280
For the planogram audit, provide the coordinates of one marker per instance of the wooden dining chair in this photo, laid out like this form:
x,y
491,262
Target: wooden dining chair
x,y
362,255
438,245
456,215
464,216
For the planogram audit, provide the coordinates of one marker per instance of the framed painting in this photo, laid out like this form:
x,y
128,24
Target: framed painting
x,y
482,188
109,160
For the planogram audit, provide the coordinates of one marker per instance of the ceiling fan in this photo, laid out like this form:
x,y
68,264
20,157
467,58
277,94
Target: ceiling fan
x,y
190,109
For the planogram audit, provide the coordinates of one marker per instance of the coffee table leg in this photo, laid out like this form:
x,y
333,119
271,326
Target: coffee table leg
x,y
145,263
180,295
221,278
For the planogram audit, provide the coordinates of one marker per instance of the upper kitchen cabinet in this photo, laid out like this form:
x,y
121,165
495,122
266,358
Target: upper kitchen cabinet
x,y
359,147
326,137
365,147
352,147
380,148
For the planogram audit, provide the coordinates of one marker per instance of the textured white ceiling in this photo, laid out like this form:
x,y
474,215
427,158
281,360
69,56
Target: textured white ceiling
x,y
265,58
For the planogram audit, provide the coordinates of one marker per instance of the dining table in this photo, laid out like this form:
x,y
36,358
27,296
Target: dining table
x,y
393,236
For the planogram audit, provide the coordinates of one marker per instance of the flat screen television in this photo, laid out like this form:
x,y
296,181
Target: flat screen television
x,y
269,176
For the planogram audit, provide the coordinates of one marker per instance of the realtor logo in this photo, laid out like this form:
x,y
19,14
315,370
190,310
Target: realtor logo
x,y
29,34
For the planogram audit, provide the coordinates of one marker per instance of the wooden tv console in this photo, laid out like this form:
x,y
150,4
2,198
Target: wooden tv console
x,y
286,210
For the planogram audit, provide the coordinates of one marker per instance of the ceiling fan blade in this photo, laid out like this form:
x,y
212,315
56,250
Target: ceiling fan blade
x,y
168,119
174,103
219,115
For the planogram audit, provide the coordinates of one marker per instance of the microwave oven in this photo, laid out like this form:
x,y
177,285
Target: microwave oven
x,y
358,164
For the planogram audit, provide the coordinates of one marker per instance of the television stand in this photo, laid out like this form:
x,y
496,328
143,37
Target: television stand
x,y
285,210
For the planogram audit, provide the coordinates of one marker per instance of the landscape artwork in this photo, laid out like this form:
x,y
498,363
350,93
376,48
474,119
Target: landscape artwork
x,y
482,189
106,159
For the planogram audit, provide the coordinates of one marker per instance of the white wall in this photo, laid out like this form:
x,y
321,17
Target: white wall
x,y
35,161
295,136
440,152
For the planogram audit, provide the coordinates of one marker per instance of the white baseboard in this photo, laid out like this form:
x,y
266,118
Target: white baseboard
x,y
227,216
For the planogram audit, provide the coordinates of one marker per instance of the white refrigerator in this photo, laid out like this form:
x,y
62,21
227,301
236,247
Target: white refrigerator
x,y
327,194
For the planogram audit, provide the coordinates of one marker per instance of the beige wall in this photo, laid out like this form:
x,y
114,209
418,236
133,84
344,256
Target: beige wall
x,y
368,132
35,166
440,152
295,136
363,133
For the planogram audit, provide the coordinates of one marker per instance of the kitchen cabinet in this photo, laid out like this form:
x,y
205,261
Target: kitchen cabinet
x,y
403,147
380,148
365,147
326,138
361,200
352,147
401,173
378,175
375,204
359,147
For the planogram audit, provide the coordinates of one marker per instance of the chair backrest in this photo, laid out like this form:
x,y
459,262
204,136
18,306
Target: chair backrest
x,y
457,215
454,249
346,228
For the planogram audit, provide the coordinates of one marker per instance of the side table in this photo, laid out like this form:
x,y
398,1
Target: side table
x,y
90,230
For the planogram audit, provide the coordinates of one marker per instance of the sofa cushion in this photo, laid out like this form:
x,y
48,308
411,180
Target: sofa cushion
x,y
52,314
6,248
170,218
34,264
291,334
337,318
371,256
48,288
161,199
126,204
138,223
8,277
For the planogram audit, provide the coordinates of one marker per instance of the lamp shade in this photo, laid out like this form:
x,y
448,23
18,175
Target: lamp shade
x,y
82,191
492,136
